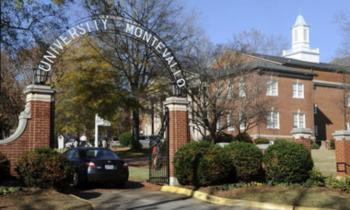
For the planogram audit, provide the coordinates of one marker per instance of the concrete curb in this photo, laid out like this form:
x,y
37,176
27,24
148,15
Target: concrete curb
x,y
232,202
83,200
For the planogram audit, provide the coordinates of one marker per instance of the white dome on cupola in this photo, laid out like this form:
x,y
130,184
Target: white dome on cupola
x,y
301,49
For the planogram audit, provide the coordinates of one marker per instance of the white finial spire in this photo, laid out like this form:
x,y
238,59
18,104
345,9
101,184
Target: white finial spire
x,y
301,43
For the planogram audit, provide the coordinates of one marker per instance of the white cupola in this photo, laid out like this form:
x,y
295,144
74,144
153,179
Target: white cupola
x,y
301,43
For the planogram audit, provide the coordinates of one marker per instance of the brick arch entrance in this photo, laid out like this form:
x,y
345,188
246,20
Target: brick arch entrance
x,y
36,122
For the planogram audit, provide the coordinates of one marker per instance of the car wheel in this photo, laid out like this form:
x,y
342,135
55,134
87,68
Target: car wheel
x,y
77,180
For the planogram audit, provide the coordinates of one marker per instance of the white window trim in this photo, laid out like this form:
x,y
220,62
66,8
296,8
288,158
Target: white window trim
x,y
270,118
348,100
230,126
269,91
298,123
348,126
241,88
298,85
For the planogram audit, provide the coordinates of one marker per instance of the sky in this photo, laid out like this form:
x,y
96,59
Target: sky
x,y
220,19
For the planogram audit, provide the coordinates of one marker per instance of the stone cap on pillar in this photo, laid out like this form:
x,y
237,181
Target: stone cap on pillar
x,y
302,133
39,93
341,135
176,103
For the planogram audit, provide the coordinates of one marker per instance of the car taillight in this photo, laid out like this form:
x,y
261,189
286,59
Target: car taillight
x,y
91,165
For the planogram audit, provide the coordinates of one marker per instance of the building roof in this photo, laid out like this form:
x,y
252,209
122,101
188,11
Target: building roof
x,y
303,64
300,21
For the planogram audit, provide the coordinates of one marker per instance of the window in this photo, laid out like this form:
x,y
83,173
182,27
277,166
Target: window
x,y
229,122
272,88
305,35
229,91
299,120
295,35
298,90
242,121
218,124
348,126
316,130
242,88
273,120
348,100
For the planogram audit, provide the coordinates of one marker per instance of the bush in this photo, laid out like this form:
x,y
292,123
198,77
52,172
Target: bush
x,y
316,179
44,168
213,167
246,159
186,161
261,141
287,162
315,145
200,163
342,184
4,166
244,137
331,144
224,137
125,138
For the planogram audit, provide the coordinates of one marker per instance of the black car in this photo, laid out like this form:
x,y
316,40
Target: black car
x,y
97,165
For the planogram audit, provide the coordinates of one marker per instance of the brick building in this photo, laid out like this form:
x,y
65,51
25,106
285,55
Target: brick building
x,y
307,95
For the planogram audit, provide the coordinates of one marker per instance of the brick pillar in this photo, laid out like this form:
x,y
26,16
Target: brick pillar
x,y
303,136
178,130
342,152
35,127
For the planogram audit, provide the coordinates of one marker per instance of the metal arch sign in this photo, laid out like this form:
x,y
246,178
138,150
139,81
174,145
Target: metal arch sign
x,y
116,24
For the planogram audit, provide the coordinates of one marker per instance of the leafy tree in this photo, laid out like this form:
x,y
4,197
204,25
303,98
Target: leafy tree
x,y
86,85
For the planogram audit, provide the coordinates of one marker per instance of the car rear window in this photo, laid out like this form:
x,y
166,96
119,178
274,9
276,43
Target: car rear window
x,y
100,154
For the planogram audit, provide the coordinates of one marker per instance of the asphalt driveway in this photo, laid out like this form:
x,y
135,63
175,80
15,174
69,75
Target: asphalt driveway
x,y
136,196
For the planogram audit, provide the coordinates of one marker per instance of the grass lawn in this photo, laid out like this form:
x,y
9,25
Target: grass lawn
x,y
290,195
41,199
324,160
138,173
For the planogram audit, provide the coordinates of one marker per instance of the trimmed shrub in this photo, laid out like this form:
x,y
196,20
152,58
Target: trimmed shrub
x,y
213,167
315,145
125,138
261,141
186,161
244,137
342,184
44,168
287,162
4,166
316,179
246,159
224,137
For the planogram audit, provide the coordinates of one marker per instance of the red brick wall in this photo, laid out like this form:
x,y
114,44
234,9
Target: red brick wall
x,y
342,155
38,133
330,114
178,134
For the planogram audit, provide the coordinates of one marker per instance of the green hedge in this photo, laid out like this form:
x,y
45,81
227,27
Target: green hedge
x,y
186,161
261,141
4,167
44,168
287,162
247,160
125,138
214,167
244,137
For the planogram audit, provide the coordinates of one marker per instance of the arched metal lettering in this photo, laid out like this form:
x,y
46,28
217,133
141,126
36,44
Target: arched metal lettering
x,y
113,24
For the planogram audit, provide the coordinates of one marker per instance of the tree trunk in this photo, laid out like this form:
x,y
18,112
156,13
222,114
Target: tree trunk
x,y
135,145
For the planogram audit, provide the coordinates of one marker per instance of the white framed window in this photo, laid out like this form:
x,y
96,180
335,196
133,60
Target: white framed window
x,y
298,90
229,90
218,124
273,120
242,122
348,126
348,100
229,122
272,88
298,120
241,88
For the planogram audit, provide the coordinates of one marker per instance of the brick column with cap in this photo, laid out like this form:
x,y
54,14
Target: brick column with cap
x,y
342,152
35,127
303,136
178,130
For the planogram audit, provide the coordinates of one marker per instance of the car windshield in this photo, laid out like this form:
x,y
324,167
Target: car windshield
x,y
100,154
